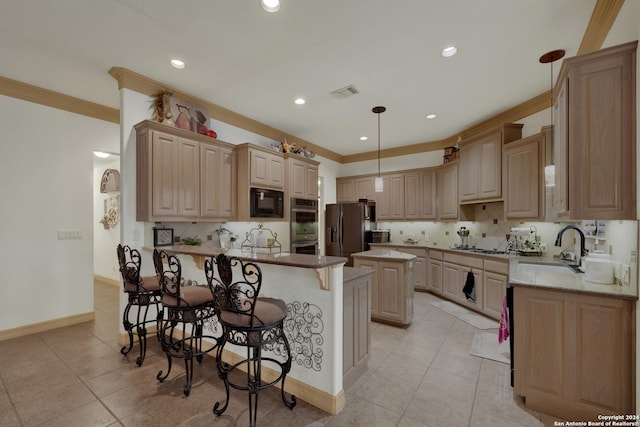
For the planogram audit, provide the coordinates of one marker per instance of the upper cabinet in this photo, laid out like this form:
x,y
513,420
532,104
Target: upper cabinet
x,y
594,135
523,178
303,178
182,176
355,188
480,170
390,202
266,168
447,191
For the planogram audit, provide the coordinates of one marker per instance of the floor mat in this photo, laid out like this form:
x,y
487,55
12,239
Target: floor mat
x,y
485,345
472,318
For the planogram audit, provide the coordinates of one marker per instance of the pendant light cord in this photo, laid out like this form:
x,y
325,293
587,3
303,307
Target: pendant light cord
x,y
378,144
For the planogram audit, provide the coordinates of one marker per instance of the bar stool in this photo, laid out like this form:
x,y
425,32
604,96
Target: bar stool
x,y
248,321
188,305
142,292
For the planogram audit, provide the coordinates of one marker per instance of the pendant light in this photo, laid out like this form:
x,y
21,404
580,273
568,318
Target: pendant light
x,y
550,58
378,182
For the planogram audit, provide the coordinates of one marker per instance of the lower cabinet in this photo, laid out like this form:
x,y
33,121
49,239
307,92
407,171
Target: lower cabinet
x,y
356,324
573,353
420,264
391,290
495,287
435,271
455,270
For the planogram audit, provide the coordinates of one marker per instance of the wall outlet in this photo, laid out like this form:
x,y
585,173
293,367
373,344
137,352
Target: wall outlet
x,y
625,270
401,232
617,273
423,232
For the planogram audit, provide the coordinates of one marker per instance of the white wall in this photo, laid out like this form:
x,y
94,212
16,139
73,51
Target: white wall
x,y
46,181
104,241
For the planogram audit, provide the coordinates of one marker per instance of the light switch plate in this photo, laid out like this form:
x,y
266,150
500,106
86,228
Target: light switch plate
x,y
69,234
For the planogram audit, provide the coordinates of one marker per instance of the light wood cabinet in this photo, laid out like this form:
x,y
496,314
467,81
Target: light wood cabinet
x,y
428,194
355,188
390,202
435,272
218,167
356,327
345,190
392,289
573,353
420,265
523,178
412,195
182,176
495,277
303,178
480,172
447,191
266,169
594,139
454,277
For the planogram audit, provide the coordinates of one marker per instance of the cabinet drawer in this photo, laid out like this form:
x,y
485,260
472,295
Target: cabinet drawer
x,y
467,261
496,266
435,254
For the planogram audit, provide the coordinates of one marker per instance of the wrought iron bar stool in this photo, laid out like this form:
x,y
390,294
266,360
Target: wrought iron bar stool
x,y
189,306
143,293
248,321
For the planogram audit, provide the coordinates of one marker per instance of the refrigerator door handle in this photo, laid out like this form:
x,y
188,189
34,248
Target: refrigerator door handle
x,y
341,230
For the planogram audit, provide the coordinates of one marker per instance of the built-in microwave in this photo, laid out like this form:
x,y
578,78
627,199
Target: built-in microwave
x,y
267,203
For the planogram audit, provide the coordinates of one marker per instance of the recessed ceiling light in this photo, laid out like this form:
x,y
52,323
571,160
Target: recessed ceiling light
x,y
449,51
271,5
363,138
176,63
300,101
101,154
431,116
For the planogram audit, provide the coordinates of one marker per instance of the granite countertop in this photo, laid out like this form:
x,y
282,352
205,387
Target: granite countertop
x,y
529,273
353,273
384,253
284,258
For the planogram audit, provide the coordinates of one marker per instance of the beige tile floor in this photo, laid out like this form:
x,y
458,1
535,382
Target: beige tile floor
x,y
419,376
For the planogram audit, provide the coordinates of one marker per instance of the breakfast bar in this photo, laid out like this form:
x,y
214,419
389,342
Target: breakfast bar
x,y
312,288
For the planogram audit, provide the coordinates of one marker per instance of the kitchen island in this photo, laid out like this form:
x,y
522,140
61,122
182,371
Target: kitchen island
x,y
312,288
392,284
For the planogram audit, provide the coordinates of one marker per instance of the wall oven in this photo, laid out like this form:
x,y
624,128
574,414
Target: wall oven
x,y
304,226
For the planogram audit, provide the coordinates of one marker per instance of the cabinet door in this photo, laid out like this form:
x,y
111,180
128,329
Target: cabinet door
x,y
490,166
210,181
420,274
435,276
602,138
447,184
365,188
428,194
451,287
375,281
346,190
539,344
297,179
228,182
469,172
164,182
523,186
188,178
267,169
478,288
412,195
311,182
495,288
390,202
392,291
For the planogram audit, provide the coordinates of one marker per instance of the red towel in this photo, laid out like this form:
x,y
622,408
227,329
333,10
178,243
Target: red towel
x,y
503,332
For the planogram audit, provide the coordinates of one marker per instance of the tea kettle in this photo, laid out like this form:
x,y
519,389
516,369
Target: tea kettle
x,y
463,232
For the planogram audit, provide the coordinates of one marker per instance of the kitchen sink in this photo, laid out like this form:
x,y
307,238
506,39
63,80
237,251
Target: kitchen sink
x,y
551,268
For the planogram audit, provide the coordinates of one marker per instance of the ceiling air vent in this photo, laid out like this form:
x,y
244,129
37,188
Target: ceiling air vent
x,y
345,92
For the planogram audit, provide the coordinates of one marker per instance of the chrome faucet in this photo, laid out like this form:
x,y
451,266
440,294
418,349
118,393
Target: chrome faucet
x,y
583,250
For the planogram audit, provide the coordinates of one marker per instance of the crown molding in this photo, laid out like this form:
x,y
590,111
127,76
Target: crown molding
x,y
49,98
131,80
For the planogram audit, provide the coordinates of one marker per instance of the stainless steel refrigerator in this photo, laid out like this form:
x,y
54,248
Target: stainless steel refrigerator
x,y
346,224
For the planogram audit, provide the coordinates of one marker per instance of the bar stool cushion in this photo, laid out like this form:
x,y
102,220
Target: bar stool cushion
x,y
268,311
193,295
148,283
